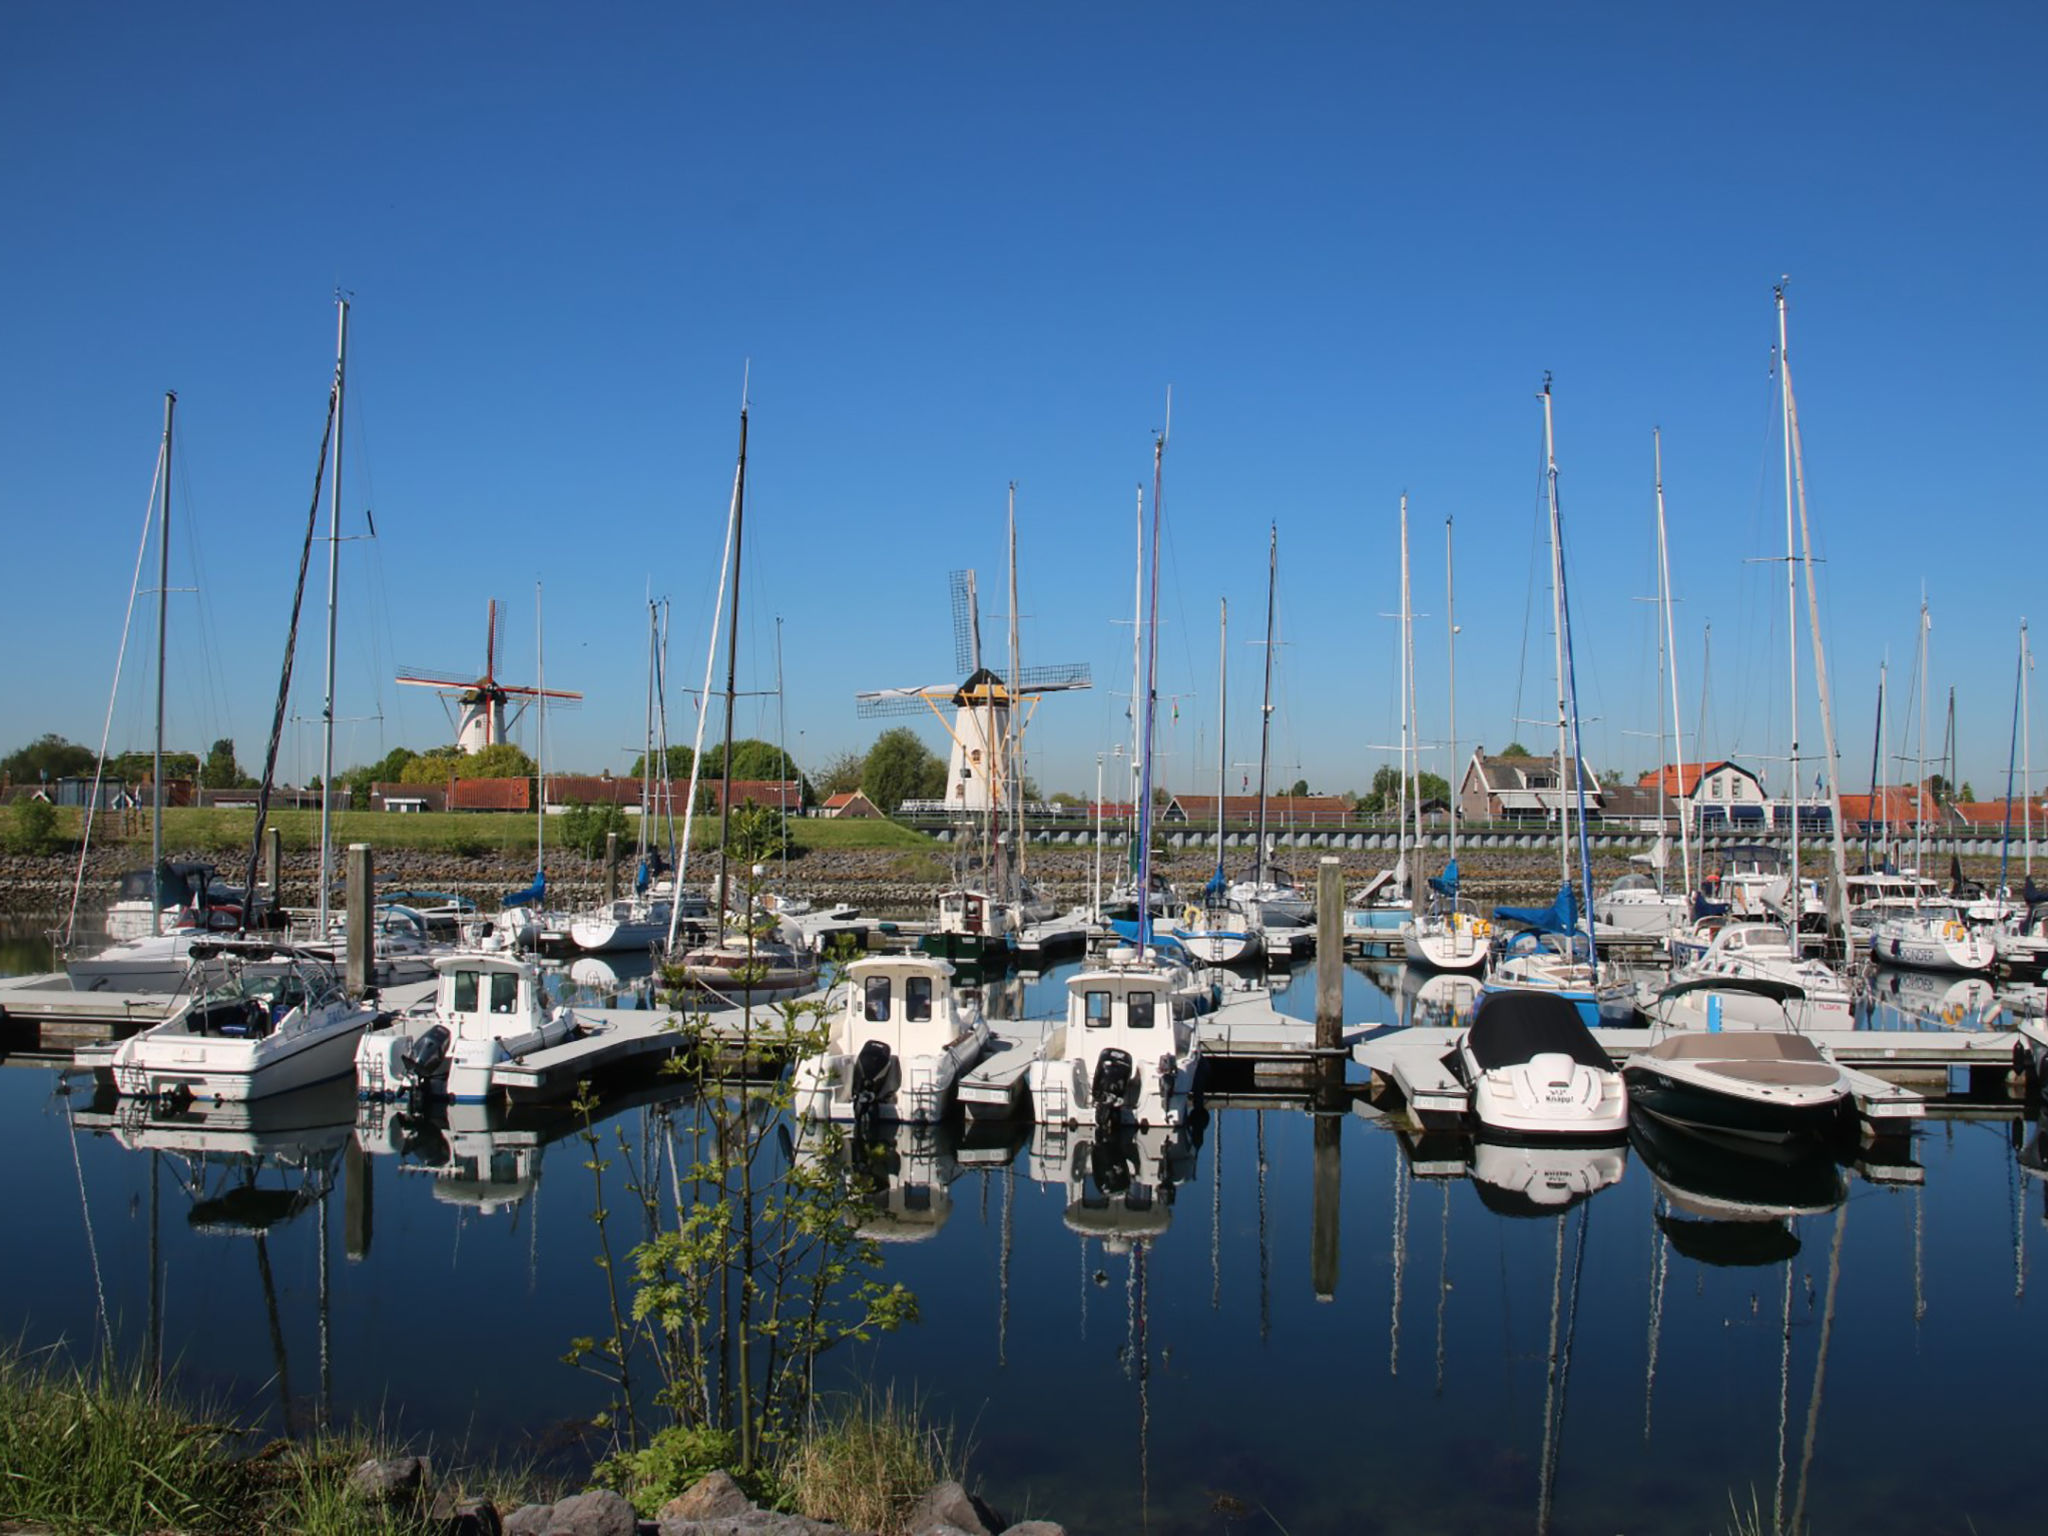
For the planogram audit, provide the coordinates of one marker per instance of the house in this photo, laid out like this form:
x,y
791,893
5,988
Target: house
x,y
784,794
1639,808
1282,811
1522,789
852,803
409,797
490,795
1721,794
567,789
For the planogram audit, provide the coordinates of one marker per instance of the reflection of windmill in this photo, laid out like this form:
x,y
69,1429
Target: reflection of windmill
x,y
482,700
977,774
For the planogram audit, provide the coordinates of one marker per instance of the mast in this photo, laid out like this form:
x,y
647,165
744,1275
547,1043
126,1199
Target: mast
x,y
1795,898
540,741
2027,751
2019,681
1668,643
163,603
1013,729
1564,848
1222,728
782,746
1568,688
1151,695
333,594
732,649
1410,766
1920,761
1876,769
1266,703
647,776
1451,648
1138,718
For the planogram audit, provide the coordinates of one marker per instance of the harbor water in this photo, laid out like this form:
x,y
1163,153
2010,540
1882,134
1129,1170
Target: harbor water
x,y
1281,1321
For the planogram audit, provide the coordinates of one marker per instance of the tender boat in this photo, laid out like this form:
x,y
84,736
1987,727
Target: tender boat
x,y
1127,1049
900,1039
1534,1069
488,1009
280,1019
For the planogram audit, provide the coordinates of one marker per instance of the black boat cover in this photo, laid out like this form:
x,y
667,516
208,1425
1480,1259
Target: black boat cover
x,y
1512,1027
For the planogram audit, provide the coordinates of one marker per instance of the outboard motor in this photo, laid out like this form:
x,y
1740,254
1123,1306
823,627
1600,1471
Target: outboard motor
x,y
1113,1083
1113,1163
428,1055
870,1069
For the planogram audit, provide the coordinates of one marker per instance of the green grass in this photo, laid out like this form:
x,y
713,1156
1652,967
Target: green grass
x,y
867,1461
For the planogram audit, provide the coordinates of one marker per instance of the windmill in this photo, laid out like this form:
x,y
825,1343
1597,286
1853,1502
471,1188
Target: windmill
x,y
482,721
984,746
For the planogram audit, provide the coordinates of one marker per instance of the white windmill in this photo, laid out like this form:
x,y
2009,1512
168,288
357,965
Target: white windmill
x,y
481,701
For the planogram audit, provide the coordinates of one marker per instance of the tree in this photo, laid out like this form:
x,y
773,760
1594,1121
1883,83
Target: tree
x,y
1298,787
221,771
899,767
584,827
842,775
500,760
47,757
1515,749
388,769
1384,798
31,827
136,767
678,765
756,834
435,767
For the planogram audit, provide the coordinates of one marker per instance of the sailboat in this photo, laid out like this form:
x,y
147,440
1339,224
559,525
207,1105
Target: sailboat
x,y
1271,893
747,963
1634,904
1126,1049
1556,953
1449,936
1221,928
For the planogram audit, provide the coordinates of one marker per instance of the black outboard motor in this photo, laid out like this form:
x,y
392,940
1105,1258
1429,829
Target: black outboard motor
x,y
1114,1081
1113,1163
870,1069
428,1055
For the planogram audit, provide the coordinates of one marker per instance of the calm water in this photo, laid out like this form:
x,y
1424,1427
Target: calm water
x,y
1197,1361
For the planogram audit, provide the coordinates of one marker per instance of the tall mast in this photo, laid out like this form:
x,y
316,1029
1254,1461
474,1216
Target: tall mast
x,y
1409,768
1568,687
333,593
1266,700
1795,898
1564,846
540,740
1668,643
732,656
163,603
1013,726
1451,646
2026,749
1877,799
647,774
1138,724
1151,695
782,747
1222,719
1920,753
2019,683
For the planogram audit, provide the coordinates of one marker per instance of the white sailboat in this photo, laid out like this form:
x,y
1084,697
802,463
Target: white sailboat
x,y
1221,928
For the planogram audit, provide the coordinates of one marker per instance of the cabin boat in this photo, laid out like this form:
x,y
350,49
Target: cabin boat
x,y
1548,965
1872,895
1763,950
277,1018
488,1009
1535,1070
900,1039
1758,1084
1126,1052
972,927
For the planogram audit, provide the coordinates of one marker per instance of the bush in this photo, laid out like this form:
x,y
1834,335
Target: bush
x,y
867,1464
31,827
676,1460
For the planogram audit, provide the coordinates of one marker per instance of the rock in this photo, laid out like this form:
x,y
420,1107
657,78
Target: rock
x,y
598,1513
753,1522
949,1504
528,1520
715,1496
396,1481
453,1515
1036,1528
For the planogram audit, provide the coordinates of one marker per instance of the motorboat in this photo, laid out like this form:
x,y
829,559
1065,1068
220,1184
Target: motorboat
x,y
1756,1084
972,926
1535,1179
1933,938
745,968
1126,1050
1534,1069
1634,905
900,1038
489,1008
1733,1002
1764,950
278,1019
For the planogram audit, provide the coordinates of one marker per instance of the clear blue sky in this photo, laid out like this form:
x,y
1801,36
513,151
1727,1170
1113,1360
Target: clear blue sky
x,y
964,245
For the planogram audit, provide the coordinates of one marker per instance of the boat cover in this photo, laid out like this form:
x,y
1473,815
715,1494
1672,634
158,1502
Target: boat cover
x,y
1513,1027
1561,916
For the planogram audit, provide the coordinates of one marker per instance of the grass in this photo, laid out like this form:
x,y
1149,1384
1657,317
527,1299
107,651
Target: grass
x,y
866,1463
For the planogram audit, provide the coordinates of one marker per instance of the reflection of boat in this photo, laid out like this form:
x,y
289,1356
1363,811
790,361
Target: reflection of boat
x,y
1736,1002
1121,1182
1534,1069
899,1041
1519,1178
1931,1000
1718,1179
1442,999
229,1146
279,1020
900,1177
1755,1084
488,1010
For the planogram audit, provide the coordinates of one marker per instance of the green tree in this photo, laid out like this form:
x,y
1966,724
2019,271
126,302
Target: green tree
x,y
678,765
584,828
31,827
221,771
136,767
900,767
388,769
842,775
47,757
500,760
1515,749
435,767
1298,787
757,833
1384,798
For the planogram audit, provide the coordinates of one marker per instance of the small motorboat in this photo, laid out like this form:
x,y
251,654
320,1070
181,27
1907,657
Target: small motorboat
x,y
900,1038
1535,1070
1758,1084
488,1008
1127,1050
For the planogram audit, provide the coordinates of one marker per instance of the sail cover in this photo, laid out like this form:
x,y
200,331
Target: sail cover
x,y
1561,916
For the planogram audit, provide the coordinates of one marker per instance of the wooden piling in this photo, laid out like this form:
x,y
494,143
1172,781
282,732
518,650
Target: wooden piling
x,y
355,1201
611,867
1329,954
360,928
1328,1165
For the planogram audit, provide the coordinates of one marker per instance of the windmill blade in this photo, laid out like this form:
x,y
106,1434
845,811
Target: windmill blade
x,y
495,627
899,701
423,677
966,623
1053,679
511,691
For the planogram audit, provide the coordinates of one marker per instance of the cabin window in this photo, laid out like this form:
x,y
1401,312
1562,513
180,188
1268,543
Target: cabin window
x,y
1096,1015
917,999
877,1000
504,991
466,990
1140,1007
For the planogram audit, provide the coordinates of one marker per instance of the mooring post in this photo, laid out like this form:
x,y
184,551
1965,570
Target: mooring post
x,y
611,867
1328,1175
1329,956
273,863
355,1200
360,936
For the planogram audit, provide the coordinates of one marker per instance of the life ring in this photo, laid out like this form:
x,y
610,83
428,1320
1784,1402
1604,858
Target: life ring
x,y
1191,916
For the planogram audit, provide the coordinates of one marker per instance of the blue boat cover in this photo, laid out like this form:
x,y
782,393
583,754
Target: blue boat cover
x,y
1561,916
1446,884
533,894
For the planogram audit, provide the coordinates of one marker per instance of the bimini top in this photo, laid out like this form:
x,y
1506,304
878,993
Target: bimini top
x,y
1514,1027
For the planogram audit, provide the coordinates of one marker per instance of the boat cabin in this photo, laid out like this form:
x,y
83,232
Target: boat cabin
x,y
905,1001
483,996
1129,1004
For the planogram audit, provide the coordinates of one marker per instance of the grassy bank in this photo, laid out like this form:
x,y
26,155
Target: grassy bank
x,y
103,1449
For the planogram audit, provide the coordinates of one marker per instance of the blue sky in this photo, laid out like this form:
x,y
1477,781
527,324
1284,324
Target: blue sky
x,y
961,246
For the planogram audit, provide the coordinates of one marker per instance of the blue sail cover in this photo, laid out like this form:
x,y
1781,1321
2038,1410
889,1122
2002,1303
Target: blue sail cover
x,y
1561,916
1127,928
533,894
1446,884
641,877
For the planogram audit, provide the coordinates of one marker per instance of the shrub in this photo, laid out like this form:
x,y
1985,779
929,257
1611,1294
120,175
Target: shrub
x,y
867,1463
32,827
